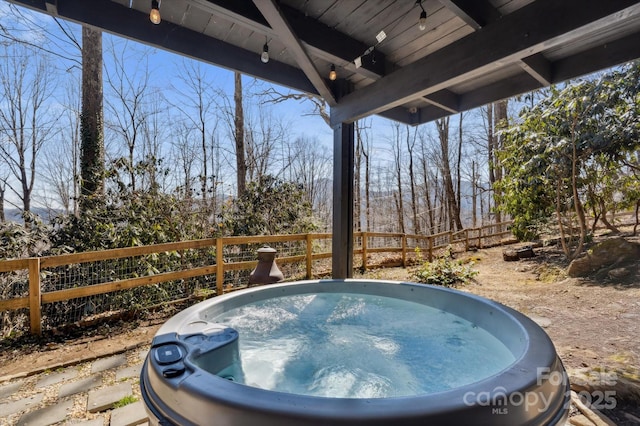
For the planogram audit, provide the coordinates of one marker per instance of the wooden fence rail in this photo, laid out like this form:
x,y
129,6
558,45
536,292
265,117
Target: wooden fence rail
x,y
307,249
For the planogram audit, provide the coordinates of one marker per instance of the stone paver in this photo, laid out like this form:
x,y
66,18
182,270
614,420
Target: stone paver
x,y
13,407
69,381
53,378
47,416
127,372
9,388
107,363
98,421
103,399
82,385
129,415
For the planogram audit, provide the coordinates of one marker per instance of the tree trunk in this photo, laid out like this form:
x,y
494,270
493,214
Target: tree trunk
x,y
500,118
453,212
367,186
576,200
635,225
474,195
411,142
92,150
3,188
241,165
398,195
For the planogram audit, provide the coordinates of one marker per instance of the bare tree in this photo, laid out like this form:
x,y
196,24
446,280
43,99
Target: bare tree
x,y
453,212
425,159
128,82
196,102
320,107
3,190
398,195
496,116
61,170
311,167
239,135
411,143
184,153
265,144
26,121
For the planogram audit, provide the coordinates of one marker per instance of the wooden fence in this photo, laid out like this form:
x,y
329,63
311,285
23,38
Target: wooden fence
x,y
212,266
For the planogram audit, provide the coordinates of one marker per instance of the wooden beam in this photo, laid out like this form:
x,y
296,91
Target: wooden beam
x,y
521,83
538,67
444,99
604,56
475,13
111,17
279,23
320,40
515,36
595,59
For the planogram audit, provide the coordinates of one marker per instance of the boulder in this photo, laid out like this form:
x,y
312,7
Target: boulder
x,y
610,252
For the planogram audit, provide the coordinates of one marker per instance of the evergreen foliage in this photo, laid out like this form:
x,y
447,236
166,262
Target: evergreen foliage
x,y
575,149
269,206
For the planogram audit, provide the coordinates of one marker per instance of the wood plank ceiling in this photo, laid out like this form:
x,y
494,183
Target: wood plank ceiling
x,y
471,52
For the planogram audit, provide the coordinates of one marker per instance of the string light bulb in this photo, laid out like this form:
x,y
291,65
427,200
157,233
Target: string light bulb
x,y
333,74
422,22
154,15
264,57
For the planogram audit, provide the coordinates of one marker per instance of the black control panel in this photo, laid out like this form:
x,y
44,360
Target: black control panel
x,y
168,354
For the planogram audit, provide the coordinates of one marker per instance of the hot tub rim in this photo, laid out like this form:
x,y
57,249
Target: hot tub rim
x,y
537,347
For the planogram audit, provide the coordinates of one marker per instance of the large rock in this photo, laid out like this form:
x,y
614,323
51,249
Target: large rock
x,y
610,252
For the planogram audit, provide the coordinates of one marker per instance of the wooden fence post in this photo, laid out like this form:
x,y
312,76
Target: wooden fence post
x,y
35,296
309,256
404,250
219,267
430,248
364,251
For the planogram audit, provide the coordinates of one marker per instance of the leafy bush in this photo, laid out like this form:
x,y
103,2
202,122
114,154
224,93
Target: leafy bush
x,y
23,240
445,271
269,206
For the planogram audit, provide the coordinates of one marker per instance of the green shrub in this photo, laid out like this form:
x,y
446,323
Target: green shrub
x,y
445,272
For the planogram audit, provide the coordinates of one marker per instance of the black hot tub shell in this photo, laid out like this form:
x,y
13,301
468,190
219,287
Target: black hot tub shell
x,y
533,390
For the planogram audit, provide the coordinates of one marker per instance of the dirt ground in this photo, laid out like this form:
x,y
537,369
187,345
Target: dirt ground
x,y
594,324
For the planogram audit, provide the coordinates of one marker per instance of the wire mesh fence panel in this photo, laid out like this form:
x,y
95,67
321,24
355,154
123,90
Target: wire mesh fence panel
x,y
14,284
293,271
80,288
236,279
14,322
375,241
87,308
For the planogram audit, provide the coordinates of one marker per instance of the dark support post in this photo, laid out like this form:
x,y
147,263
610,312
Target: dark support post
x,y
342,242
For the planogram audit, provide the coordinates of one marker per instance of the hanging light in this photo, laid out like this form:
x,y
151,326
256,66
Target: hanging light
x,y
154,15
333,74
264,57
422,22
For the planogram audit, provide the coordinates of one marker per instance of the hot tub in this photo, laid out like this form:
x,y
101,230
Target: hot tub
x,y
337,352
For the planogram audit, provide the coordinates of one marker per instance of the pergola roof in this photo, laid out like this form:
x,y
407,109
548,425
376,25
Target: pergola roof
x,y
471,52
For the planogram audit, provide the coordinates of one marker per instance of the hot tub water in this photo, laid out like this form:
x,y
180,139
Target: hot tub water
x,y
359,346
